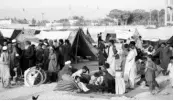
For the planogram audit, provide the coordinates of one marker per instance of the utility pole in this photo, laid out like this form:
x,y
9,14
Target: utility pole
x,y
42,16
150,17
158,19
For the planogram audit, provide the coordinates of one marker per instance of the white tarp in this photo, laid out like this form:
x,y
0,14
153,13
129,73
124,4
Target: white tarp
x,y
53,35
7,32
126,32
162,33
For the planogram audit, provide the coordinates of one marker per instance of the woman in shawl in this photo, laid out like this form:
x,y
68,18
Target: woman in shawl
x,y
4,68
52,68
65,81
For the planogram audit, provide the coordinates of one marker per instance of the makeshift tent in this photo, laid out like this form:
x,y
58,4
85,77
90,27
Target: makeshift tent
x,y
109,34
53,35
163,33
7,33
80,45
170,41
30,32
15,33
88,36
1,38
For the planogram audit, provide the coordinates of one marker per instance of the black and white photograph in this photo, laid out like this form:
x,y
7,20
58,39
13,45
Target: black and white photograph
x,y
86,49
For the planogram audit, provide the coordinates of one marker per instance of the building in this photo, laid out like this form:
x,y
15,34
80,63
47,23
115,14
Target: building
x,y
5,21
169,12
72,21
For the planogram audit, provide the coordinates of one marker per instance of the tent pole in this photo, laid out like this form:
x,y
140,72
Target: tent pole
x,y
77,46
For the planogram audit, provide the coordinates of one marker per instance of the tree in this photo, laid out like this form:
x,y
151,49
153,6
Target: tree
x,y
154,16
140,16
33,21
42,23
125,16
162,17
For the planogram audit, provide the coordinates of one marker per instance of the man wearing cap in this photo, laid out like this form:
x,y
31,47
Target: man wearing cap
x,y
15,56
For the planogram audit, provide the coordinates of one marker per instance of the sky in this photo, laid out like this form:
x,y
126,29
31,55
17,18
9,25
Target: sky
x,y
57,9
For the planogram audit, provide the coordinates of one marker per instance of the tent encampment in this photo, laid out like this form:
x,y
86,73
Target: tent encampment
x,y
80,45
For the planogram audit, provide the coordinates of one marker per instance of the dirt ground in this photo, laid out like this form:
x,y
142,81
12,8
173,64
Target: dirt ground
x,y
45,91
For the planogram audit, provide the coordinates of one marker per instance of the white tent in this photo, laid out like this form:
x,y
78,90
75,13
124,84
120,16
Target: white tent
x,y
7,32
53,35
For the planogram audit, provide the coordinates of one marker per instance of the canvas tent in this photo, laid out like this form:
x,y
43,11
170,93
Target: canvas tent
x,y
80,45
89,38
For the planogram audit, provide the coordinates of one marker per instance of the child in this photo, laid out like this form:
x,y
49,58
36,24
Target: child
x,y
170,70
82,86
150,75
141,71
4,68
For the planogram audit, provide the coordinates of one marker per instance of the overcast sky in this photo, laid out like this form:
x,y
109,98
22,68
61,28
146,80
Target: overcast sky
x,y
56,9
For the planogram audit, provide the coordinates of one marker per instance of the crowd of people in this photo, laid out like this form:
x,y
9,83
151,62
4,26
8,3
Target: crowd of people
x,y
55,58
16,58
136,59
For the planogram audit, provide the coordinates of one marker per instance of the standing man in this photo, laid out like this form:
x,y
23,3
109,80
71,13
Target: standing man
x,y
60,52
130,66
39,54
111,60
102,53
16,54
28,55
45,56
67,50
164,52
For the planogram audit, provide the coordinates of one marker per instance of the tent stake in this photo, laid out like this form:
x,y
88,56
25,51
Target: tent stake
x,y
77,46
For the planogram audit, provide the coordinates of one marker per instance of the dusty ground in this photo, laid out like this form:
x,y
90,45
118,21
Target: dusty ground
x,y
46,92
